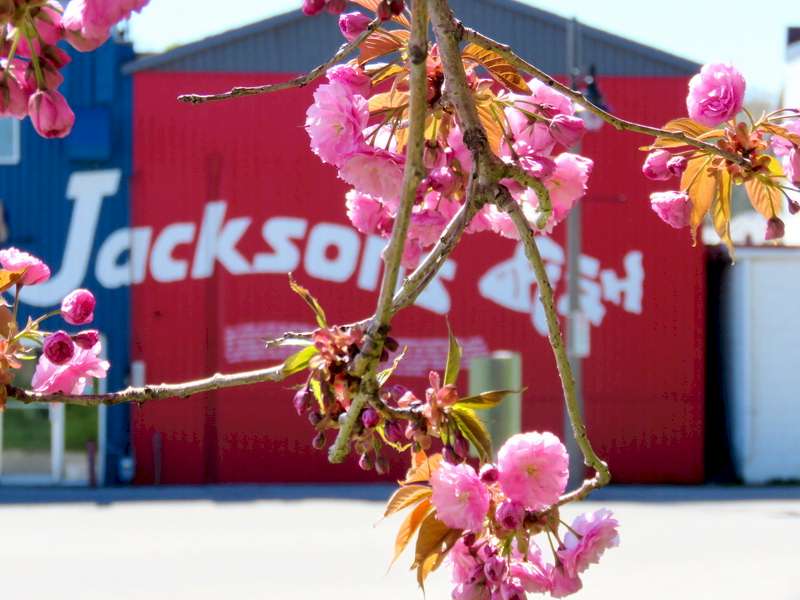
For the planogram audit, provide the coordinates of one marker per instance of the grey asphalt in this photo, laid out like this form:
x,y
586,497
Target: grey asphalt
x,y
304,542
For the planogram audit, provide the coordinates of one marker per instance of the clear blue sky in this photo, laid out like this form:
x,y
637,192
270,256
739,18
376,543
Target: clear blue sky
x,y
673,25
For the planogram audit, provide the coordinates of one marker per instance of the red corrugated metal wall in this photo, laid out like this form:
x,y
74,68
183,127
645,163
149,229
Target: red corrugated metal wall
x,y
241,173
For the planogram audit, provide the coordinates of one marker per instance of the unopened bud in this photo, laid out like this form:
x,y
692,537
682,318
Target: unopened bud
x,y
495,569
314,418
486,552
461,446
381,465
394,432
396,6
510,515
489,474
365,462
301,401
677,165
775,229
469,539
319,441
391,344
450,455
336,7
794,207
370,418
86,339
312,7
384,11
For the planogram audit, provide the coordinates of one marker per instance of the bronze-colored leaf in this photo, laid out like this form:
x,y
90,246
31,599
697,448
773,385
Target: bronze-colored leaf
x,y
432,534
422,470
490,113
10,278
781,132
387,72
388,101
700,185
373,6
6,320
409,527
474,430
498,68
435,560
687,126
406,496
381,43
310,300
486,399
721,209
765,196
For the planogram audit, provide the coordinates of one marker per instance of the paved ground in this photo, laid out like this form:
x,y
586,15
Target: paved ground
x,y
301,543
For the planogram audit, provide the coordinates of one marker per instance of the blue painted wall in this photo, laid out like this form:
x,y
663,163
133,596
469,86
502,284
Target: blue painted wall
x,y
38,212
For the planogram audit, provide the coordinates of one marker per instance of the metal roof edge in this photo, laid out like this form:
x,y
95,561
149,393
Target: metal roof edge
x,y
220,39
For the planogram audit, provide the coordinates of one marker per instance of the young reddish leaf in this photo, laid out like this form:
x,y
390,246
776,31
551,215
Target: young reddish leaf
x,y
498,67
381,43
453,358
373,6
687,126
474,430
6,320
431,539
388,101
299,360
782,132
406,496
409,527
486,399
763,190
310,300
387,72
721,209
10,278
422,471
700,185
488,114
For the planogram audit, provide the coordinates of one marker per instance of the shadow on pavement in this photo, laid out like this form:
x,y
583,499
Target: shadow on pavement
x,y
376,493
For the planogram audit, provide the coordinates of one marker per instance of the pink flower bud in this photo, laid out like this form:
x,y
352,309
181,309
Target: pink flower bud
x,y
301,401
353,25
486,552
58,348
656,165
381,465
510,514
336,7
319,441
674,208
443,180
384,11
50,114
365,462
512,590
567,130
677,165
36,271
794,207
450,455
313,7
78,307
489,474
495,569
370,418
86,339
397,6
394,432
461,445
775,229
13,100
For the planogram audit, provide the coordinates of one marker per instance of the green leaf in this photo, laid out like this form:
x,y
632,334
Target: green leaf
x,y
316,389
384,375
299,360
453,359
474,430
310,300
486,399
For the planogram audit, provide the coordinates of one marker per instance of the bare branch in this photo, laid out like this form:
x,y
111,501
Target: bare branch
x,y
144,394
508,54
298,82
365,364
559,350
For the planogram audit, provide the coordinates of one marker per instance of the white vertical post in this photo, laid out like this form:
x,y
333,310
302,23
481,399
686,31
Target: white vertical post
x,y
57,414
501,370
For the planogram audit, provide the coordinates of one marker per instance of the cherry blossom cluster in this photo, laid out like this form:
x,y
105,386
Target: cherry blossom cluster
x,y
505,510
68,360
715,104
32,60
358,123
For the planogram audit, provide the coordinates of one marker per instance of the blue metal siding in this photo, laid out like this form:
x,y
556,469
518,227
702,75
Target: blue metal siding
x,y
38,212
293,43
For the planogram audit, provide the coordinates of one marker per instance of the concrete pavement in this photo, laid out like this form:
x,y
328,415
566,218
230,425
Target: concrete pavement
x,y
304,542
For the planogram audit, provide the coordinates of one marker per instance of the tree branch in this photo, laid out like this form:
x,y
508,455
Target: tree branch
x,y
365,363
144,394
298,82
508,54
559,350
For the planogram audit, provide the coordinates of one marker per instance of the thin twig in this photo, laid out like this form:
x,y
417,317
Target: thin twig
x,y
154,392
516,61
297,82
365,364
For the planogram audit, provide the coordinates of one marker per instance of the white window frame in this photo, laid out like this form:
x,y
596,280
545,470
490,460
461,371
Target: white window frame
x,y
14,157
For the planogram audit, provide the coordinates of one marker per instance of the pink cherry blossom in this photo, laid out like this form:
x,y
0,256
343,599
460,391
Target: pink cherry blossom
x,y
335,123
376,172
77,308
465,565
471,591
716,94
567,130
568,183
367,214
354,79
460,498
674,208
58,347
782,146
791,165
50,114
71,377
596,532
655,165
412,254
13,99
534,468
455,140
13,259
563,585
353,24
